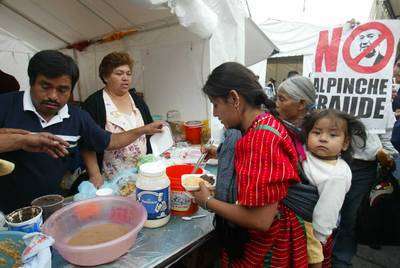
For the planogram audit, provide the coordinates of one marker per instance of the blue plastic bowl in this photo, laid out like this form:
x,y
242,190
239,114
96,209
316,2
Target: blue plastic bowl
x,y
18,242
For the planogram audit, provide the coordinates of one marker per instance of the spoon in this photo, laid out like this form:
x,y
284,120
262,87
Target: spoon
x,y
188,218
202,157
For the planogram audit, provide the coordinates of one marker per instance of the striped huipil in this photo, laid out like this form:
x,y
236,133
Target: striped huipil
x,y
266,164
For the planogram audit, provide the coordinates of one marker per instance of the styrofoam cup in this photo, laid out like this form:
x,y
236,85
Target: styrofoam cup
x,y
104,192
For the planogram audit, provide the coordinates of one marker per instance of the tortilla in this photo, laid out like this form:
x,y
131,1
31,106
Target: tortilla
x,y
6,167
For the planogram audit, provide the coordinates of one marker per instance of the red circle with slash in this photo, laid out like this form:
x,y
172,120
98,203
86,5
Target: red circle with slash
x,y
386,34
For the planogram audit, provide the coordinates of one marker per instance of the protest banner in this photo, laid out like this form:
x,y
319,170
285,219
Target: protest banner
x,y
353,69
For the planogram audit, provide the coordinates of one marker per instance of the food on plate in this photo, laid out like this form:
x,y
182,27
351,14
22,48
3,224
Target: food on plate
x,y
96,234
127,189
192,182
208,178
11,249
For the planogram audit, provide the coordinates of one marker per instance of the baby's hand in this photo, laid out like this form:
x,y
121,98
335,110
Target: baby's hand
x,y
385,159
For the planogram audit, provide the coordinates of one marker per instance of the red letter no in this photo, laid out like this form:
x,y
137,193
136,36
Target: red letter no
x,y
328,50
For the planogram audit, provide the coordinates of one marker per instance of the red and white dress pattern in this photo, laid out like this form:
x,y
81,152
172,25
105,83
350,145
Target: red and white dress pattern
x,y
266,164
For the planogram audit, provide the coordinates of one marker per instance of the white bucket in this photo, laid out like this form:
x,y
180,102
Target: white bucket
x,y
15,220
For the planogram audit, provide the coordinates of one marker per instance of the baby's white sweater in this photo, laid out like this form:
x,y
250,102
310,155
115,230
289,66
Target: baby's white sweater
x,y
333,182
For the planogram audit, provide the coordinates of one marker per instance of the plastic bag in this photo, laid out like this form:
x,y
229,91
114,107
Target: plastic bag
x,y
196,16
37,252
126,182
88,190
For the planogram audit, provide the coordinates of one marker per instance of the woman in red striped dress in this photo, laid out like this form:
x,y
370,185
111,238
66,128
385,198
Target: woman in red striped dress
x,y
258,230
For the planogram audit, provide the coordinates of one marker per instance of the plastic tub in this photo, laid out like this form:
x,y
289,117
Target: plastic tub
x,y
181,203
49,204
27,219
193,131
64,223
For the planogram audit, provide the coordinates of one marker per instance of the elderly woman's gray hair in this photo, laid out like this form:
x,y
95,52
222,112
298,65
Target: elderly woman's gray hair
x,y
299,88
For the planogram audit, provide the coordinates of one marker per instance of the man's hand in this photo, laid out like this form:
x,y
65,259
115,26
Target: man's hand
x,y
45,143
13,131
153,128
385,159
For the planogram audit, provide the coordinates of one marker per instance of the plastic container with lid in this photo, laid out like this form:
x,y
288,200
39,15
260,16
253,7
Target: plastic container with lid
x,y
193,131
153,192
181,202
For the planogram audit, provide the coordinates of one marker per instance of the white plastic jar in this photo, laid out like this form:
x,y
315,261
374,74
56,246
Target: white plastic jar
x,y
153,192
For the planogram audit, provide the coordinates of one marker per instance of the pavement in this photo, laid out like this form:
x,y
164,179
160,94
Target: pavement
x,y
388,257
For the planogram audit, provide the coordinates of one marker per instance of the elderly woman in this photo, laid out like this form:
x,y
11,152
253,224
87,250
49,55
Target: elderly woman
x,y
295,98
116,108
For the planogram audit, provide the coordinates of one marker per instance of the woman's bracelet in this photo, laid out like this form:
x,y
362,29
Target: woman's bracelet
x,y
208,199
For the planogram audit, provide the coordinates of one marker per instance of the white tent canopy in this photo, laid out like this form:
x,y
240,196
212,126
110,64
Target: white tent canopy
x,y
176,45
14,57
293,39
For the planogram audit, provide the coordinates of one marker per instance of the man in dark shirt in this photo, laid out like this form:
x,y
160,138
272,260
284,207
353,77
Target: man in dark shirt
x,y
8,83
44,108
396,87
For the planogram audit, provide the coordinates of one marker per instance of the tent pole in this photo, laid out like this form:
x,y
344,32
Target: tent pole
x,y
97,15
79,81
248,9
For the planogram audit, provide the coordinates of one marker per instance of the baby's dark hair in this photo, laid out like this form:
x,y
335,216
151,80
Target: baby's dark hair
x,y
354,127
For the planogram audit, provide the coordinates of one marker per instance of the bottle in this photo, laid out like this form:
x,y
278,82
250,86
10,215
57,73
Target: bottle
x,y
174,120
153,192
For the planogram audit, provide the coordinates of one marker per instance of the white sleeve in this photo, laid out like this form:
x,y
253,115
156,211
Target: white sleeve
x,y
372,145
331,197
387,144
385,138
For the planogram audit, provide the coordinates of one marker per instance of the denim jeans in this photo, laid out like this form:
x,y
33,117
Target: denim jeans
x,y
345,246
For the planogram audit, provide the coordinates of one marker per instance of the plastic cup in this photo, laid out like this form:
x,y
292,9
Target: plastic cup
x,y
27,219
193,131
49,204
104,192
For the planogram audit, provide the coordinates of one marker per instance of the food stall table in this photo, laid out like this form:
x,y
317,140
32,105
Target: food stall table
x,y
164,246
160,247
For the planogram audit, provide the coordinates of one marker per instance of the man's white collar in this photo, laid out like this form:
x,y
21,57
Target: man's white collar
x,y
59,117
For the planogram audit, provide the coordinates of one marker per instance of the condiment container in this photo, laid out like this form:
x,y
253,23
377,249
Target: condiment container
x,y
153,192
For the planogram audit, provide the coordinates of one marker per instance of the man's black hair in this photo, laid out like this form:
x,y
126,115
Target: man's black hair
x,y
52,64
